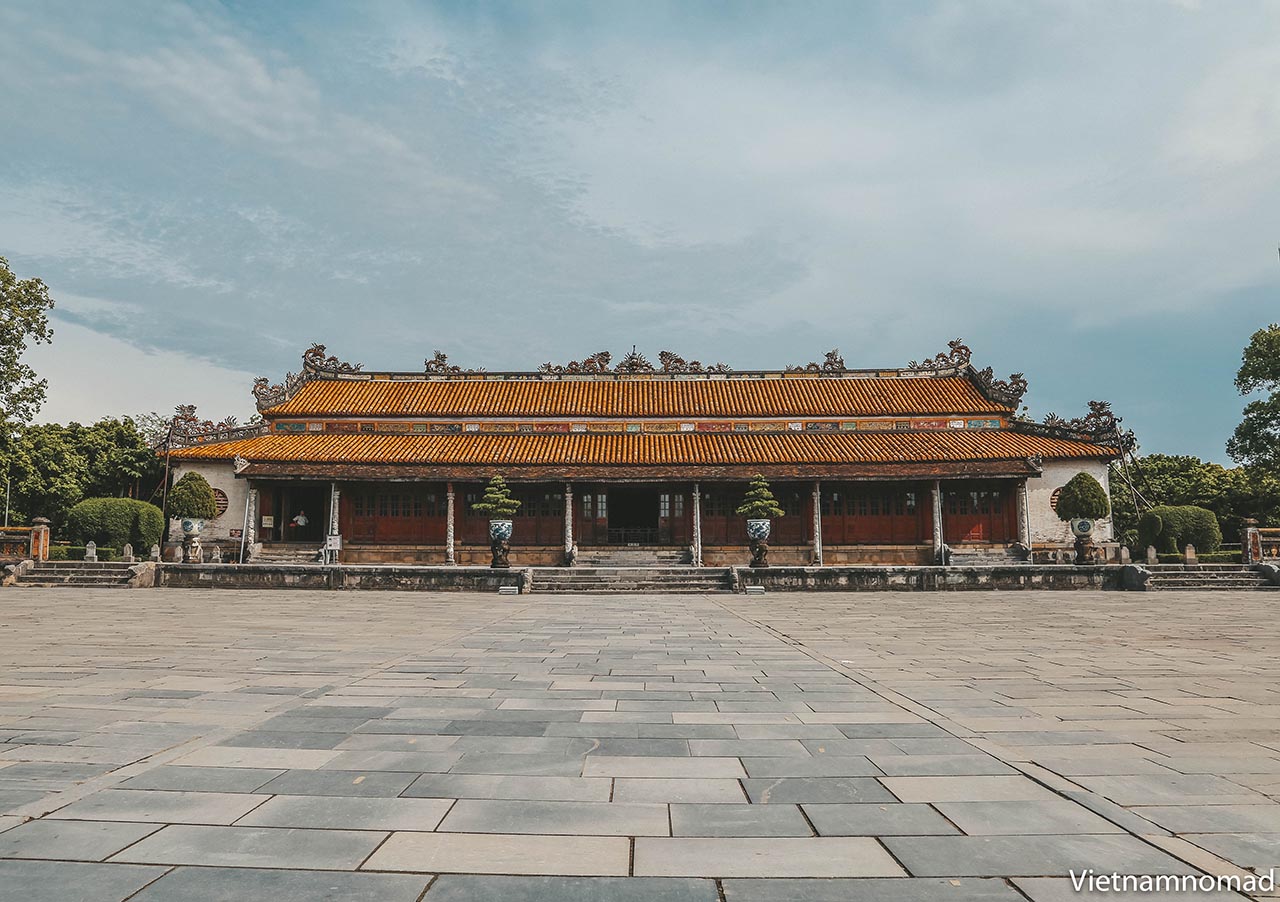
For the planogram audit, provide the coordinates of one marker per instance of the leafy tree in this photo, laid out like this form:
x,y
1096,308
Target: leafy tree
x,y
49,474
192,497
111,522
1083,498
24,306
1256,440
497,501
1231,493
759,503
1171,528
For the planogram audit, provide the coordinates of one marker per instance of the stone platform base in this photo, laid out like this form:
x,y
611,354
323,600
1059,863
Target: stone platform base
x,y
673,580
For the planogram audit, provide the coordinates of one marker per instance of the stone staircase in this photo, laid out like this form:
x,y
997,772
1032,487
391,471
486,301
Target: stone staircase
x,y
1206,576
618,556
80,574
986,557
288,553
600,580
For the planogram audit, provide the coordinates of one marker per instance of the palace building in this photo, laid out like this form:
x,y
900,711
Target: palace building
x,y
900,466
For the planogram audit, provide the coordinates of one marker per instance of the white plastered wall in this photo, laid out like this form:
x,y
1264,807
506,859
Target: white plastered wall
x,y
220,476
1045,525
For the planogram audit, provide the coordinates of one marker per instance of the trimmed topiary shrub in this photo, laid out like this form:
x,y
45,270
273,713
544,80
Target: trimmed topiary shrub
x,y
497,501
1083,498
192,497
113,522
1171,528
759,502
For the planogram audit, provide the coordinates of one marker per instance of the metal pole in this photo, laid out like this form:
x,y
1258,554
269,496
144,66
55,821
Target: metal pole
x,y
7,483
244,533
164,492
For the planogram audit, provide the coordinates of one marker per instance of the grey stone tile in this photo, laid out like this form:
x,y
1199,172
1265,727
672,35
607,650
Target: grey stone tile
x,y
685,731
966,789
604,766
345,712
255,847
523,745
842,766
763,857
794,790
754,748
65,881
492,853
1171,789
465,888
541,765
396,742
893,731
46,771
283,759
868,819
656,789
837,748
161,806
296,724
71,840
11,799
1029,856
338,813
738,820
1214,818
1257,851
202,779
191,884
365,784
941,765
489,786
561,818
620,748
1054,816
404,762
283,740
870,890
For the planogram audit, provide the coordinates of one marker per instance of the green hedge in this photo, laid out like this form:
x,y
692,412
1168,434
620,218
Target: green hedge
x,y
76,553
115,522
1171,528
1219,557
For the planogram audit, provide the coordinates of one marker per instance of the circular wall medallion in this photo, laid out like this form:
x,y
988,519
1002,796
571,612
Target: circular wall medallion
x,y
1053,499
220,499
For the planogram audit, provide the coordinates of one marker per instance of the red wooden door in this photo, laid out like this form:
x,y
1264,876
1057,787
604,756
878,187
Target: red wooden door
x,y
976,514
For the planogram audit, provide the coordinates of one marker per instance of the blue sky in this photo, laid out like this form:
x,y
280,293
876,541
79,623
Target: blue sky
x,y
1086,192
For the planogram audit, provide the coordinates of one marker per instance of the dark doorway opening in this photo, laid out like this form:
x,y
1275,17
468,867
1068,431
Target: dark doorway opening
x,y
306,503
633,516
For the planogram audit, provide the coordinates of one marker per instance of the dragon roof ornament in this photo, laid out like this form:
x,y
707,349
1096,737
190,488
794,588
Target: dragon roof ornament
x,y
673,363
438,365
831,363
958,358
187,428
632,363
313,359
314,364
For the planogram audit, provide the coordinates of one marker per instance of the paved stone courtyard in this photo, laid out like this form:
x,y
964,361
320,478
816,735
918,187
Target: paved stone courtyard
x,y
196,745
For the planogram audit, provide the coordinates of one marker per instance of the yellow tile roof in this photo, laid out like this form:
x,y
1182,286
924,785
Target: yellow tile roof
x,y
643,450
638,398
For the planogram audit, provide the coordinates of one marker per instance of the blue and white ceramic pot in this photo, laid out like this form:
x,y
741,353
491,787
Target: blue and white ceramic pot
x,y
500,530
1082,528
758,530
191,526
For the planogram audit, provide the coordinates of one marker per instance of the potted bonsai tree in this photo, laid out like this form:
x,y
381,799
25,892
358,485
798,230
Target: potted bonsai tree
x,y
499,505
759,507
191,501
1081,502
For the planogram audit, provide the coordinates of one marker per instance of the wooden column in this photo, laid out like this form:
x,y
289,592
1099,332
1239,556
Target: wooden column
x,y
697,525
937,522
817,523
1024,514
568,522
448,526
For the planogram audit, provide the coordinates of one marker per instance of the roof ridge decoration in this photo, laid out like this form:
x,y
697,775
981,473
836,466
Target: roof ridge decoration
x,y
187,429
957,359
314,365
438,365
1100,426
832,363
632,363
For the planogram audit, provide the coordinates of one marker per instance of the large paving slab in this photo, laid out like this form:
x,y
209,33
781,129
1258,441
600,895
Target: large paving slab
x,y
972,747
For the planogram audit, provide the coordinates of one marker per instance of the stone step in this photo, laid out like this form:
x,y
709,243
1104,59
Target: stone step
x,y
82,581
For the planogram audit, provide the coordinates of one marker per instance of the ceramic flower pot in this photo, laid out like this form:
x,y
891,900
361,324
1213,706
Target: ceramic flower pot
x,y
758,530
191,526
500,530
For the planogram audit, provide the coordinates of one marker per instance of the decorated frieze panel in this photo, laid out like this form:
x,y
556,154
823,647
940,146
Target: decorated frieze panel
x,y
617,427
